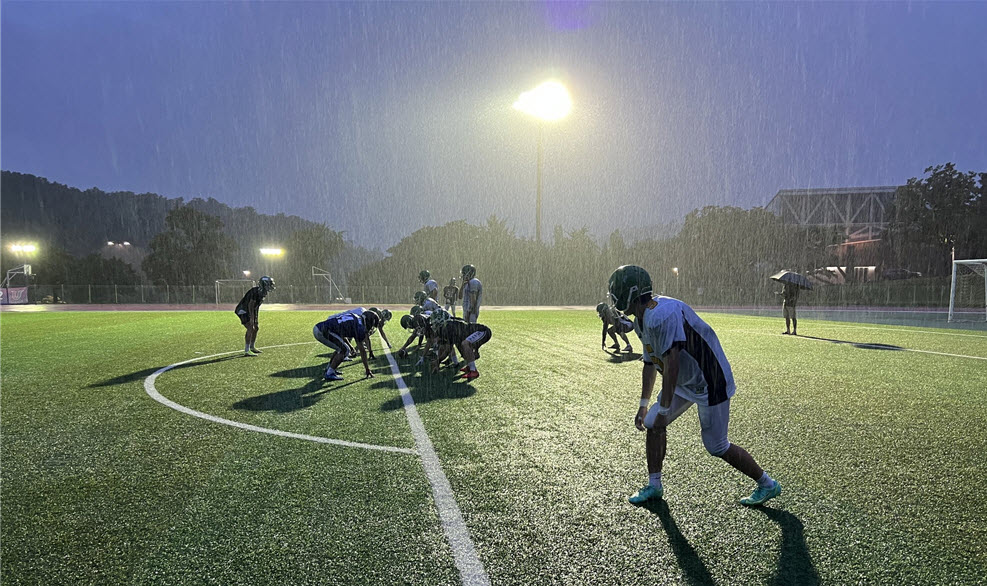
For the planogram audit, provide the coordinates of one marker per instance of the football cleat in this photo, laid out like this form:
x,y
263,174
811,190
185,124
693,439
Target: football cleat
x,y
761,495
254,350
615,347
628,349
646,494
472,375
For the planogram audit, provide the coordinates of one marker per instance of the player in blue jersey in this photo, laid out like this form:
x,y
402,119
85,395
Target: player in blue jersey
x,y
247,310
694,370
333,333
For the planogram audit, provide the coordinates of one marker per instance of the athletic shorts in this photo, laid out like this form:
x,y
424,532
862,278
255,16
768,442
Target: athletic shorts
x,y
332,340
713,421
244,316
788,311
479,338
624,326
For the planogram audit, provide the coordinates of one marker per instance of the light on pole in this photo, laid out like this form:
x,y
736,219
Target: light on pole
x,y
549,102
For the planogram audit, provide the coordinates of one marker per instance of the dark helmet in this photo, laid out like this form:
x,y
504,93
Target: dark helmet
x,y
469,271
420,297
601,308
423,276
386,314
266,283
407,322
627,283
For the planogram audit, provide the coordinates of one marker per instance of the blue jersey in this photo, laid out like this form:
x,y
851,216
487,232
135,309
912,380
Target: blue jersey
x,y
346,324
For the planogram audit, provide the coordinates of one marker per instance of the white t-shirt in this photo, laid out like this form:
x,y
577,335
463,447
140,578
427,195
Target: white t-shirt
x,y
472,286
432,288
705,377
430,305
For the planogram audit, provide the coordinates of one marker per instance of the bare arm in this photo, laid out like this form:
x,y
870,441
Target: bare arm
x,y
383,336
669,376
648,376
362,344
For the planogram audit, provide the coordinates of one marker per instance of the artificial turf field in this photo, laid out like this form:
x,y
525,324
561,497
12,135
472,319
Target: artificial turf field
x,y
880,449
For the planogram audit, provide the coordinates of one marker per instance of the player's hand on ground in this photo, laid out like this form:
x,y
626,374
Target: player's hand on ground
x,y
639,418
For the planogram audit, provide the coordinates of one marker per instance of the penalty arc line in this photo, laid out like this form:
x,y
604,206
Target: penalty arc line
x,y
471,570
152,391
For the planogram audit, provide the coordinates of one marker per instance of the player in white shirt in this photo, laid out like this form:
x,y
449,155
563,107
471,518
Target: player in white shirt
x,y
426,302
472,294
694,370
431,287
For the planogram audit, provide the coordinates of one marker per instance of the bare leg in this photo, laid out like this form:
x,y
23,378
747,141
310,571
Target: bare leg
x,y
795,325
738,457
788,324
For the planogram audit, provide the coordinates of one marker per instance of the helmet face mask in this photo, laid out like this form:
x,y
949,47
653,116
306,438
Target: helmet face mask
x,y
386,314
626,284
420,297
407,322
416,310
469,271
423,276
266,283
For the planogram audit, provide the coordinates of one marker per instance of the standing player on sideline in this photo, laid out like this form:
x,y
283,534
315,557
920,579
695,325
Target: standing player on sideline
x,y
471,293
450,333
694,370
451,292
431,287
613,324
248,309
333,333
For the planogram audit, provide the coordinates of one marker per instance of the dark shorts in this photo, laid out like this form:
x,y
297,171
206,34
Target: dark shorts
x,y
244,317
479,338
332,340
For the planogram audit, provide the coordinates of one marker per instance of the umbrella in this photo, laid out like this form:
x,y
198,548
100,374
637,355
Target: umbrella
x,y
793,278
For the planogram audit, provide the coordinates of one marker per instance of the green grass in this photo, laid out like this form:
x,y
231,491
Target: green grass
x,y
880,451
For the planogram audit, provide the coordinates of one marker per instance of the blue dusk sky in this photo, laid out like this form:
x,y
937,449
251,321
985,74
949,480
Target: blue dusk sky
x,y
380,118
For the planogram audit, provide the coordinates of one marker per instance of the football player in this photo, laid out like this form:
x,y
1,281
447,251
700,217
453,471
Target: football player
x,y
614,324
333,333
247,310
418,323
451,293
452,333
431,287
471,293
426,302
694,371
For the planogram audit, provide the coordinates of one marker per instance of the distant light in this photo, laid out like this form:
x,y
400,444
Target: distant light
x,y
109,243
125,243
271,251
675,270
246,273
21,247
550,101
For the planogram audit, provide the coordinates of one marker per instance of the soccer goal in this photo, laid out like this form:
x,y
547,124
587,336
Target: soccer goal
x,y
968,290
232,290
337,297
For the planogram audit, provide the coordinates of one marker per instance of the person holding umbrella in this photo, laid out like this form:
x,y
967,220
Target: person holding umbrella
x,y
793,282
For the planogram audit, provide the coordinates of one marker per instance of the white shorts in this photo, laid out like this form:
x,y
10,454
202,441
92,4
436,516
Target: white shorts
x,y
713,421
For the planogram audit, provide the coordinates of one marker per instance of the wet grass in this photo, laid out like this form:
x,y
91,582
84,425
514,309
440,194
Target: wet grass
x,y
879,448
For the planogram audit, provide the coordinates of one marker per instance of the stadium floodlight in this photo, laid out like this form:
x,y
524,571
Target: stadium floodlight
x,y
110,243
125,243
676,271
272,251
246,273
23,247
549,102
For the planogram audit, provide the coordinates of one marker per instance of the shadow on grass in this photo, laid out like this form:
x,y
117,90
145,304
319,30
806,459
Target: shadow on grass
x,y
794,564
860,345
143,374
425,386
694,570
617,357
288,400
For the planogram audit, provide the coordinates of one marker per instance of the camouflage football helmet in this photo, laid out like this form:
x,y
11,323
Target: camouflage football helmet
x,y
469,271
626,284
439,318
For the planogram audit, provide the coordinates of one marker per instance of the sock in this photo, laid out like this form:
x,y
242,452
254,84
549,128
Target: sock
x,y
655,479
472,365
246,348
765,481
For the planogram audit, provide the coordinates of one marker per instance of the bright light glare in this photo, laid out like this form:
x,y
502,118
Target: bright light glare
x,y
23,247
550,101
125,243
246,273
271,251
675,270
109,243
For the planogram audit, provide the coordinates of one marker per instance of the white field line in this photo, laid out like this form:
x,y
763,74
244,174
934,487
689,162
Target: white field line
x,y
471,570
896,328
154,394
859,344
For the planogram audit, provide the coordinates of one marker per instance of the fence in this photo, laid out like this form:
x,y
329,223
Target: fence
x,y
907,293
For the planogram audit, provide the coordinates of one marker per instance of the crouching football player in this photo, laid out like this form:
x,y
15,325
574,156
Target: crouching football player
x,y
694,370
453,333
417,322
333,333
614,324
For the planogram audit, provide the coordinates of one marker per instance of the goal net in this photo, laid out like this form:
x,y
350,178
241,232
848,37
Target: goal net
x,y
231,291
968,290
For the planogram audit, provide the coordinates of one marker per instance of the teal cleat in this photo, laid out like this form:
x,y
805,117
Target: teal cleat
x,y
646,494
762,495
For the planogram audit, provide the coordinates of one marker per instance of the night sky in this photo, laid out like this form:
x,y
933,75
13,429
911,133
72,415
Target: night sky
x,y
378,119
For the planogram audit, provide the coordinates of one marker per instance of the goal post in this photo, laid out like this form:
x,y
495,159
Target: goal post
x,y
324,274
237,286
968,287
